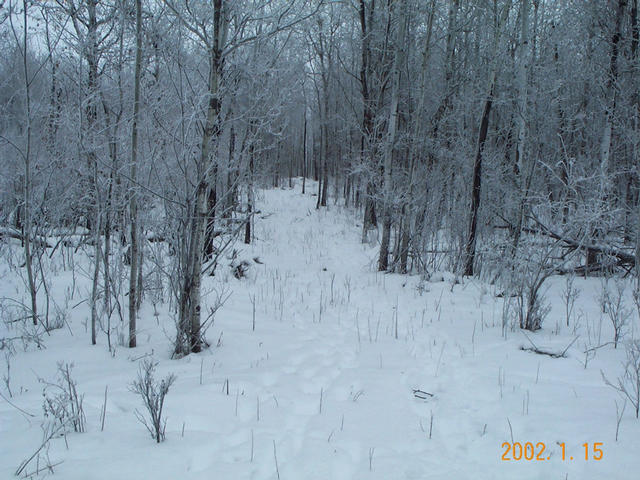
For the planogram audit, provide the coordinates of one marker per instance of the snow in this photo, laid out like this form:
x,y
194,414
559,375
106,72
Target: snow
x,y
324,385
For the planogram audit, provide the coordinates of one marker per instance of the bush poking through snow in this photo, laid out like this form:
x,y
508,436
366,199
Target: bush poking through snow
x,y
532,310
613,304
522,274
628,385
153,394
569,296
17,326
62,401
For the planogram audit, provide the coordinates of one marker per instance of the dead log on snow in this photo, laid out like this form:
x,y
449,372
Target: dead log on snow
x,y
622,257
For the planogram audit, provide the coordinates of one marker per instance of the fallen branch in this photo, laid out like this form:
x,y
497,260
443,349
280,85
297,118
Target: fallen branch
x,y
49,434
15,234
623,258
535,349
421,394
24,412
48,467
145,355
593,349
594,267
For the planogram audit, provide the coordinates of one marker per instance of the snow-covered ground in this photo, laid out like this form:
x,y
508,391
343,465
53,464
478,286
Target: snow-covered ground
x,y
324,386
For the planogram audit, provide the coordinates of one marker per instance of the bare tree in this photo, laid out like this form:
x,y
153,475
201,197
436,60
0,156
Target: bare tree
x,y
398,62
133,204
470,247
26,154
219,43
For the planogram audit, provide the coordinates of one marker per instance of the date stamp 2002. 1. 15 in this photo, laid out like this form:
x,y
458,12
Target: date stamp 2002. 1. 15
x,y
530,451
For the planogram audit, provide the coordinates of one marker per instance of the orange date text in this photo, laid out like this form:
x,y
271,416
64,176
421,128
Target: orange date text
x,y
530,451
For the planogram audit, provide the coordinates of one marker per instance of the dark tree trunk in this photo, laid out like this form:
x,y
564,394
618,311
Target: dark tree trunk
x,y
230,194
247,227
325,181
369,220
304,154
470,249
212,200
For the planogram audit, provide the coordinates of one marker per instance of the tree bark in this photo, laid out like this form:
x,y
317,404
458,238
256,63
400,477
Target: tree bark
x,y
28,219
250,200
611,98
407,214
370,220
304,152
523,68
190,312
470,247
611,92
133,204
383,257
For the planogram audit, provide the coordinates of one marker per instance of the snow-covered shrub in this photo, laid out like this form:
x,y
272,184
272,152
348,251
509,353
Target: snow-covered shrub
x,y
570,294
522,274
60,317
62,402
614,306
628,384
17,330
153,394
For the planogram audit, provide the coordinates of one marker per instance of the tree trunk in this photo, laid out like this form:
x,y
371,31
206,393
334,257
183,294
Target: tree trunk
x,y
383,257
212,201
523,68
247,227
319,199
369,219
325,172
611,92
406,213
304,152
449,67
470,247
27,221
96,276
605,144
91,54
190,313
133,205
477,181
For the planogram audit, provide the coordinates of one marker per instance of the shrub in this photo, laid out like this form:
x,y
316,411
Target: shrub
x,y
153,394
62,401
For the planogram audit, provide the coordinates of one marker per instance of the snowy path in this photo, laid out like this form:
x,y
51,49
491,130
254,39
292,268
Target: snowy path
x,y
325,382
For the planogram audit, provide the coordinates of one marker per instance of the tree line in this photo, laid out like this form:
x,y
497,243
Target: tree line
x,y
486,137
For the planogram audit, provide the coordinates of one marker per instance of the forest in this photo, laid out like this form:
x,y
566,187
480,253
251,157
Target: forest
x,y
385,204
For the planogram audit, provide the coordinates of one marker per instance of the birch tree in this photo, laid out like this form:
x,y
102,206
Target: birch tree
x,y
214,35
133,204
